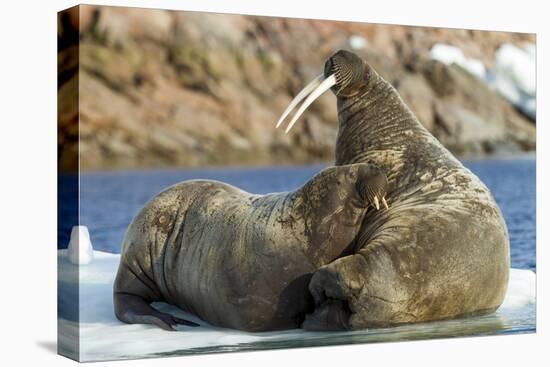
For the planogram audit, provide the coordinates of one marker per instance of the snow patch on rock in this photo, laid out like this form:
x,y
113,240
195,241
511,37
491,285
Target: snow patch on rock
x,y
358,42
448,54
513,77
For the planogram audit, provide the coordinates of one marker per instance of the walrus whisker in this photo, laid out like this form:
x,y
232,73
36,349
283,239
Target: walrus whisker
x,y
322,88
300,96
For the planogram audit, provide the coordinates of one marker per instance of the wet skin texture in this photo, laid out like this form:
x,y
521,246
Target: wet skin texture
x,y
440,251
236,259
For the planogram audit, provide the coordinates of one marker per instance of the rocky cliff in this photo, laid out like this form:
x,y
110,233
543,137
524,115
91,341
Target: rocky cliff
x,y
163,88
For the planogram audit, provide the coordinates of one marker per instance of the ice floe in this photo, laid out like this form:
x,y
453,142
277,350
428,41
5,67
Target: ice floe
x,y
102,337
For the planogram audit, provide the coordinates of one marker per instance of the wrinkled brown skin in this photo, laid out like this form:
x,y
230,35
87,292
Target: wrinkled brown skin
x,y
235,259
441,250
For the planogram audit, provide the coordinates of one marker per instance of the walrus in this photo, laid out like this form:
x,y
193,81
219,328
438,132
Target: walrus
x,y
236,259
441,251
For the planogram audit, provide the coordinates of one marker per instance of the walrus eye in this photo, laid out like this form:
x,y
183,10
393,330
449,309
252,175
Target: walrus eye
x,y
316,87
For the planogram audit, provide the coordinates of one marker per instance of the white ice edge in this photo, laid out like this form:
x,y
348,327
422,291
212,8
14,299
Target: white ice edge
x,y
103,337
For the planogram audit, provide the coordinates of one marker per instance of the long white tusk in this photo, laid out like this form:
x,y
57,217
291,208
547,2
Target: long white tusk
x,y
376,203
303,94
384,202
322,88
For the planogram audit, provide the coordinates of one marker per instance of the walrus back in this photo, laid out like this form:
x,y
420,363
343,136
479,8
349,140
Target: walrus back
x,y
155,232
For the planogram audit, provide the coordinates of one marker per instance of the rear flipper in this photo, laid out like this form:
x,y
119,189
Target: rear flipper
x,y
331,297
135,310
336,289
331,315
365,287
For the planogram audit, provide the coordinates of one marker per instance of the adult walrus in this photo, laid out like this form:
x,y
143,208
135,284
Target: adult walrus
x,y
441,251
240,260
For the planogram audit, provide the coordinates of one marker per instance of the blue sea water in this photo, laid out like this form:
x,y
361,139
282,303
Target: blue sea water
x,y
109,200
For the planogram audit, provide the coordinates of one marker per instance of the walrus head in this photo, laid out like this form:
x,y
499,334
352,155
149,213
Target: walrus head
x,y
348,70
344,73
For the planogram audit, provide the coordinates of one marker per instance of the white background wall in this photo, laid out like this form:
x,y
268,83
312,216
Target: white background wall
x,y
28,183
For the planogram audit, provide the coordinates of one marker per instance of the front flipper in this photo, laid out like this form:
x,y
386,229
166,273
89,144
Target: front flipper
x,y
135,310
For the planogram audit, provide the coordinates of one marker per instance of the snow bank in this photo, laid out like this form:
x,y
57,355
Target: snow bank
x,y
103,337
448,54
514,75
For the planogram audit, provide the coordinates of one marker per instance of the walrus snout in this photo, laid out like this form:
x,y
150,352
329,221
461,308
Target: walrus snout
x,y
348,69
343,74
372,185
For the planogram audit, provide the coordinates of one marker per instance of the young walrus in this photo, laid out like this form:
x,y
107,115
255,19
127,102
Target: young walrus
x,y
236,259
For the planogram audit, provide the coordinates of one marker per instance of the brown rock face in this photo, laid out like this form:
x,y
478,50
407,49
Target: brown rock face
x,y
164,88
